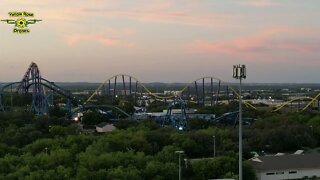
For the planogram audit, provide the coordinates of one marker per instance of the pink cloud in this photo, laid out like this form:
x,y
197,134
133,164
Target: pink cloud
x,y
77,38
269,41
165,16
110,37
260,3
165,11
299,47
156,11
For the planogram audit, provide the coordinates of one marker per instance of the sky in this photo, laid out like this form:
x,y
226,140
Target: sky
x,y
164,40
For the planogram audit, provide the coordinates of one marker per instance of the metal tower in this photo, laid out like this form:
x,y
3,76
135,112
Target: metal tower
x,y
31,82
178,120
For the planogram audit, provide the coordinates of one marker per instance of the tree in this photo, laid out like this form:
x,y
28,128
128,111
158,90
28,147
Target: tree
x,y
161,171
214,168
124,173
248,171
93,118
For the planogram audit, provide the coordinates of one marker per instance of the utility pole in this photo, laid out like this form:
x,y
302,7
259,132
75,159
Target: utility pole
x,y
239,72
179,152
214,146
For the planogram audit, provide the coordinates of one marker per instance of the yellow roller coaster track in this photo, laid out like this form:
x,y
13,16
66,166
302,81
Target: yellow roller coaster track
x,y
163,97
292,100
313,100
245,102
141,84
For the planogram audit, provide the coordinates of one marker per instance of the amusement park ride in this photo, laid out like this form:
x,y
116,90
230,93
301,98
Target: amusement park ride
x,y
33,83
205,91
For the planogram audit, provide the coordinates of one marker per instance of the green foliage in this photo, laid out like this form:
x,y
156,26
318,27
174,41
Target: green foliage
x,y
281,133
125,124
19,118
16,99
159,138
44,147
93,118
123,173
58,131
161,171
219,167
57,111
150,124
157,106
195,124
126,106
248,171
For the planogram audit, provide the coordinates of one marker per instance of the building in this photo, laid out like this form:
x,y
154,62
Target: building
x,y
105,127
173,93
293,166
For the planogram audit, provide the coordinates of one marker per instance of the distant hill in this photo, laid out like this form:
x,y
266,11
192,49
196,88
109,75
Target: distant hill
x,y
159,86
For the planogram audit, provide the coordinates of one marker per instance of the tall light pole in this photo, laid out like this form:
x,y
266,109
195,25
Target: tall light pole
x,y
239,72
214,146
179,152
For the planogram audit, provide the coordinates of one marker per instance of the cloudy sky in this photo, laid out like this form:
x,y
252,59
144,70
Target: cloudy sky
x,y
164,40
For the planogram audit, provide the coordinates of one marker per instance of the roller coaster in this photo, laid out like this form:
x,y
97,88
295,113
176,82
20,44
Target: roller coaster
x,y
194,92
204,91
178,121
105,109
33,83
110,89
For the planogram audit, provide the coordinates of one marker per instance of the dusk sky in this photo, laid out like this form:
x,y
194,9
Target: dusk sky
x,y
164,40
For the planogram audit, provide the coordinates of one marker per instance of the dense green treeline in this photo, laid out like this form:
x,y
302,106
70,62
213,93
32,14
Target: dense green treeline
x,y
284,132
40,147
51,148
